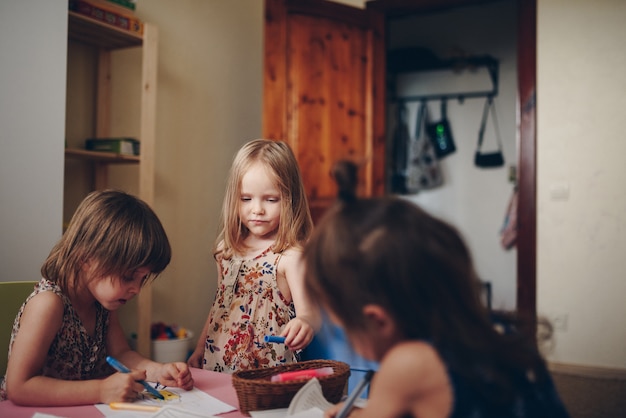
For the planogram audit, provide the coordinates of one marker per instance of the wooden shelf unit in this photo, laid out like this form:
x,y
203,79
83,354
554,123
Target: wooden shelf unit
x,y
106,39
90,31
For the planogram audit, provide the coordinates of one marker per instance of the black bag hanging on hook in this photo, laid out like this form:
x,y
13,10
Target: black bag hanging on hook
x,y
441,134
489,159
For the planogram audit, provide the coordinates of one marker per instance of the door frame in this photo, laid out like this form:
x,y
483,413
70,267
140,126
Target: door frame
x,y
526,282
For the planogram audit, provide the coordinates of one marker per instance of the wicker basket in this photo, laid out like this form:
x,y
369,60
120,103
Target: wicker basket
x,y
256,392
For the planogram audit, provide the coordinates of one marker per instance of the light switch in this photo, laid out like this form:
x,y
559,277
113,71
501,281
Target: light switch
x,y
559,191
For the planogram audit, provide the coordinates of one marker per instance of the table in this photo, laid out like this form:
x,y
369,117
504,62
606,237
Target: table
x,y
215,384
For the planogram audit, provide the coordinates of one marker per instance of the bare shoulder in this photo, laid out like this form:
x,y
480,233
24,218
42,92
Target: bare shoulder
x,y
291,258
412,379
44,304
292,252
415,356
33,329
414,364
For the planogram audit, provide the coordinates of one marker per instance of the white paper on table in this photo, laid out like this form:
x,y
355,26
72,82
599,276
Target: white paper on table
x,y
269,413
42,415
314,412
176,412
309,396
192,401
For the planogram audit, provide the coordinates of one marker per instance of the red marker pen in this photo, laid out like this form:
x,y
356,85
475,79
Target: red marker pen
x,y
302,374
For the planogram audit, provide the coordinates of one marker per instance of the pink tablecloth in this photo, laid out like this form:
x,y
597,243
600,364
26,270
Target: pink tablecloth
x,y
215,384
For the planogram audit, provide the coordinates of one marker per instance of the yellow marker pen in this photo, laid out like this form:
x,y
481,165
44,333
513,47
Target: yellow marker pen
x,y
128,406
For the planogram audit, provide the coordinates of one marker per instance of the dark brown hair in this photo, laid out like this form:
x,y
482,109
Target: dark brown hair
x,y
388,251
115,230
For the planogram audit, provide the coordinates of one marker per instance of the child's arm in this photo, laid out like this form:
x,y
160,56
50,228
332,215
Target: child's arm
x,y
41,320
299,331
170,374
411,380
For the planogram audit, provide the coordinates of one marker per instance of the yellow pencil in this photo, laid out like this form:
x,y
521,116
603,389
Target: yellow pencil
x,y
133,407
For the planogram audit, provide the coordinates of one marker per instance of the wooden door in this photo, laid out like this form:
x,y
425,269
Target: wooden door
x,y
324,91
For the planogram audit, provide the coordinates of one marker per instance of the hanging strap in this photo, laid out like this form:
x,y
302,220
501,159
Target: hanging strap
x,y
483,124
401,140
422,113
444,109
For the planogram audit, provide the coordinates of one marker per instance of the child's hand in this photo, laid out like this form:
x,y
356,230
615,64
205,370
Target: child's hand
x,y
122,387
298,334
196,358
176,374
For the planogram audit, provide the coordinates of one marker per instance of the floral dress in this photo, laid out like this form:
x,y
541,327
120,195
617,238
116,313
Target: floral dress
x,y
247,307
73,354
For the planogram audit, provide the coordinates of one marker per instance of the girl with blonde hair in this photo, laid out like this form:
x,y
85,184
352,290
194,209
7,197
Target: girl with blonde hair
x,y
265,222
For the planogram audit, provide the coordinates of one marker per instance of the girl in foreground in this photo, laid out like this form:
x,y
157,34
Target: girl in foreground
x,y
67,327
402,285
260,290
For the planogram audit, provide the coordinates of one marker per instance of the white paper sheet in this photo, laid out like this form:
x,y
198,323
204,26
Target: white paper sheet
x,y
269,413
194,402
309,396
175,412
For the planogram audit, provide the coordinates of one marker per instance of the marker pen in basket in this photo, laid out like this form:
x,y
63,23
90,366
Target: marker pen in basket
x,y
302,374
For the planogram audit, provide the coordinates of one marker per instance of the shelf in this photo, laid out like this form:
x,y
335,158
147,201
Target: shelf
x,y
420,59
93,32
106,157
416,59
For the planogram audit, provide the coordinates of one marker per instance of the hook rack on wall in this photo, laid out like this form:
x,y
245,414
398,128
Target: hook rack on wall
x,y
421,59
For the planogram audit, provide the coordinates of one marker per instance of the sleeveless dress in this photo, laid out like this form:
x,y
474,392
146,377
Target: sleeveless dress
x,y
73,354
247,306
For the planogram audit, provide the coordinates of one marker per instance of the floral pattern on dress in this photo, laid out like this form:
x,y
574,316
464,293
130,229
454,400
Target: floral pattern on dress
x,y
247,306
73,354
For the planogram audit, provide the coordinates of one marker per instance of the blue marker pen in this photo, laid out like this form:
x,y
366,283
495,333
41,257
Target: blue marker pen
x,y
356,392
123,369
274,339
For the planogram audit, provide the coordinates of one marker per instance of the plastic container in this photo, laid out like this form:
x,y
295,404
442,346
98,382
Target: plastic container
x,y
167,351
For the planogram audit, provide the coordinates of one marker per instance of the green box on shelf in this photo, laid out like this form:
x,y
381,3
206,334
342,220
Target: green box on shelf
x,y
127,146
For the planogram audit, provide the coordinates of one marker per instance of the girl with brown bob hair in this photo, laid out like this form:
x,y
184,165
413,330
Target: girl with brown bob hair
x,y
68,326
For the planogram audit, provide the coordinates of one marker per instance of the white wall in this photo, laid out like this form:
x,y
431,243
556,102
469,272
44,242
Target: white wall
x,y
209,102
33,39
581,262
473,199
